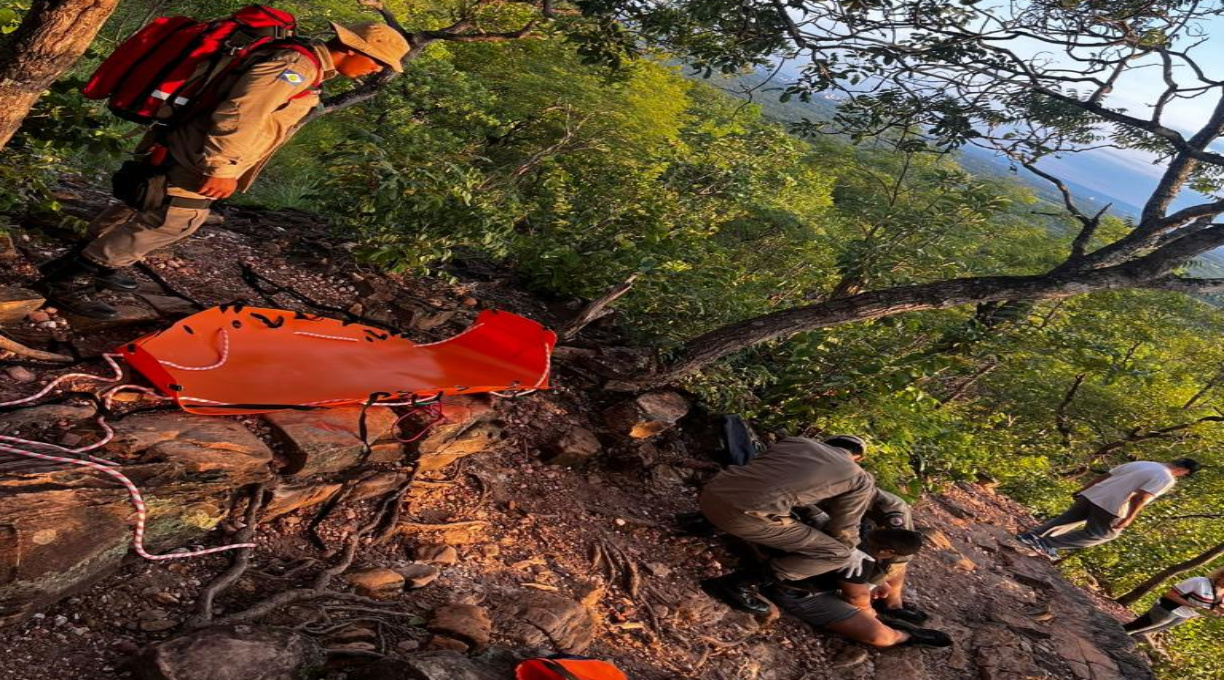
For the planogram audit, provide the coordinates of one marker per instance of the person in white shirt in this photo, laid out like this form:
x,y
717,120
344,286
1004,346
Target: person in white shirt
x,y
1184,601
1107,505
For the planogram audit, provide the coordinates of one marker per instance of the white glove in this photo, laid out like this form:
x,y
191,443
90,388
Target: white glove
x,y
856,564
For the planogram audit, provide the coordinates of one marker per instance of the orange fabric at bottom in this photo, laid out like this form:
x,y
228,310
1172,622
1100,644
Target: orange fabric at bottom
x,y
583,669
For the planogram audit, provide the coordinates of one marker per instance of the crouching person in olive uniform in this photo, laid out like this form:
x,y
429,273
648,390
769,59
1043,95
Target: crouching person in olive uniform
x,y
757,502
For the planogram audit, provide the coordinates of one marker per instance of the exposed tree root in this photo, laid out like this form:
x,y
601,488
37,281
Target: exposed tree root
x,y
318,590
239,562
10,345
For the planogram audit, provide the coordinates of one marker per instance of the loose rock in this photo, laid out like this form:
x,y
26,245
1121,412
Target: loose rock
x,y
444,555
575,447
229,653
466,622
377,582
419,575
648,414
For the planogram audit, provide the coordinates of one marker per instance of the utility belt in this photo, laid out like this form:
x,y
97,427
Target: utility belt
x,y
142,183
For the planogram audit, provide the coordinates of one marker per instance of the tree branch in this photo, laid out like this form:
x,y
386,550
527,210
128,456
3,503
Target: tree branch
x,y
1062,421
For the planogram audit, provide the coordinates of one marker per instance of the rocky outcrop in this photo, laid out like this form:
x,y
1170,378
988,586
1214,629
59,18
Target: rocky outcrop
x,y
330,440
467,623
230,653
16,303
547,620
63,528
646,415
440,665
466,427
1010,613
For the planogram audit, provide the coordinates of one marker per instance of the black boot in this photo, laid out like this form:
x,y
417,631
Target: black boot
x,y
695,524
113,279
72,263
70,286
53,267
908,613
738,590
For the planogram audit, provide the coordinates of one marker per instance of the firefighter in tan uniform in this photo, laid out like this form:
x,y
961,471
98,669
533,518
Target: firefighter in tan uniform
x,y
758,501
212,156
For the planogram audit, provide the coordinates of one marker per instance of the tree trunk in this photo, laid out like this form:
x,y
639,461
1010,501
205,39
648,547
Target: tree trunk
x,y
1179,568
876,304
1154,270
51,37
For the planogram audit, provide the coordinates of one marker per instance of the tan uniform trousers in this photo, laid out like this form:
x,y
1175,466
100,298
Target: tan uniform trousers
x,y
124,236
809,551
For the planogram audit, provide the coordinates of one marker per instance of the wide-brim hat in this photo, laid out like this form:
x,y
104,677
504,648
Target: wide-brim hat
x,y
375,40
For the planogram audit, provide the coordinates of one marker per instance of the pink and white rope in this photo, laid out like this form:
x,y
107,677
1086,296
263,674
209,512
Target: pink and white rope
x,y
101,465
142,512
326,337
218,364
110,359
536,387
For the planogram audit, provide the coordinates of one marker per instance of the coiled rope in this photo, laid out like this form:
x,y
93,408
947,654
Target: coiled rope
x,y
106,467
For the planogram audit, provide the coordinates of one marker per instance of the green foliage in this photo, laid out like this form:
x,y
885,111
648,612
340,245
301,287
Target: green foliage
x,y
10,16
60,130
577,177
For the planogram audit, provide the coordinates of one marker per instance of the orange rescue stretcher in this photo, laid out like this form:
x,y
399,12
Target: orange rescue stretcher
x,y
235,359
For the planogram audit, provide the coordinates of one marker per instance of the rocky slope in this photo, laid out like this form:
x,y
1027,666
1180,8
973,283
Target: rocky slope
x,y
513,527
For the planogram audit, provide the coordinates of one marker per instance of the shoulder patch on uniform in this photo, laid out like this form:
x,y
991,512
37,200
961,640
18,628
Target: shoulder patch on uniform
x,y
292,77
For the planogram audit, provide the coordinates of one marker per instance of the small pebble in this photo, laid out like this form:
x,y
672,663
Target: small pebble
x,y
70,440
20,374
158,625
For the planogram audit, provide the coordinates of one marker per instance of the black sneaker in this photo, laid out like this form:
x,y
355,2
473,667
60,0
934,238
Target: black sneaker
x,y
1029,540
733,591
921,637
908,613
1038,544
116,280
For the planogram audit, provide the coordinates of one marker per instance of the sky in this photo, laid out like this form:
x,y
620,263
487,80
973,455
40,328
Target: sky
x,y
1129,174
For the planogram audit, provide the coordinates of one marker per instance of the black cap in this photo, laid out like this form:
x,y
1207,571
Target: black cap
x,y
849,442
1188,463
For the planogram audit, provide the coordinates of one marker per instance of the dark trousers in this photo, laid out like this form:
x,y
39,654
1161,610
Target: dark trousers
x,y
1159,618
1097,526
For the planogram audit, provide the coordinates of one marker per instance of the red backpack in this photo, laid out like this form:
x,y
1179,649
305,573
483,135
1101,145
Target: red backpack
x,y
161,74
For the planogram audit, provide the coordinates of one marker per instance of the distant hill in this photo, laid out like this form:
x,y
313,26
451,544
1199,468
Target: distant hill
x,y
1096,179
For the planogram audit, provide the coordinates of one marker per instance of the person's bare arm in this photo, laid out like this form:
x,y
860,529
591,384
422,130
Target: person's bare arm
x,y
1135,505
895,584
1179,599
